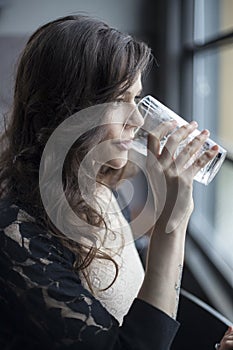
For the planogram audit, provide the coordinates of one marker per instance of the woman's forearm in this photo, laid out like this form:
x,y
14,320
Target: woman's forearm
x,y
161,286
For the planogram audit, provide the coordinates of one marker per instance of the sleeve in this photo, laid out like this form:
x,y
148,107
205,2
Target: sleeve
x,y
49,306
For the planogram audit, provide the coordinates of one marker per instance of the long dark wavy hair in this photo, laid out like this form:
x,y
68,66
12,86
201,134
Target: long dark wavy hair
x,y
68,64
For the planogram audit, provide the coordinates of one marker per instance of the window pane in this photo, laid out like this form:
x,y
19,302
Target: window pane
x,y
223,237
226,15
225,108
213,109
212,18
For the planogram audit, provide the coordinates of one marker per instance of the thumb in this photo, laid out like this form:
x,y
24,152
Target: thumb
x,y
229,330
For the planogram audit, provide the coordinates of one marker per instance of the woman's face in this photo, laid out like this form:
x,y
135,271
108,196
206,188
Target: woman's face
x,y
124,120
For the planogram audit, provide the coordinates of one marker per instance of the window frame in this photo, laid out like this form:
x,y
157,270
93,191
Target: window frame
x,y
169,30
217,282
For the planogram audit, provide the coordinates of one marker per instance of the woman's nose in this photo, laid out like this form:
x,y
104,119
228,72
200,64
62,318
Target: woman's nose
x,y
135,120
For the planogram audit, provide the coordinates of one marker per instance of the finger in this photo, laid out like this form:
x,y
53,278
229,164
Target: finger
x,y
229,330
171,146
203,160
176,138
192,148
226,344
158,134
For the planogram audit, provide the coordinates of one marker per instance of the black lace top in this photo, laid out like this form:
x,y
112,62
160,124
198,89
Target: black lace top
x,y
43,304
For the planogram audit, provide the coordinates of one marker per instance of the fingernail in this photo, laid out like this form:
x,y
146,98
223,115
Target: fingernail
x,y
205,132
194,123
215,148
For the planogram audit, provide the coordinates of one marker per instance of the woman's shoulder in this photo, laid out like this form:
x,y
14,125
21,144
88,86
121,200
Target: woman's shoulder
x,y
39,285
22,237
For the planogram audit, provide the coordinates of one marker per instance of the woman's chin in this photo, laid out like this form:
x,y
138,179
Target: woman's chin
x,y
117,163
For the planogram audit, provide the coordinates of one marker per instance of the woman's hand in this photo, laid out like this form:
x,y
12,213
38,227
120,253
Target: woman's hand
x,y
227,340
170,181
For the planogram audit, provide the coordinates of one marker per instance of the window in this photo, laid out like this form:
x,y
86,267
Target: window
x,y
210,51
193,43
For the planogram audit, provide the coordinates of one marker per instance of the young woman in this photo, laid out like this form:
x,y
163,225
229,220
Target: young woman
x,y
70,274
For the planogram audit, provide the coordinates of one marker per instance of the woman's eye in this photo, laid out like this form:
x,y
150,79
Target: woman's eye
x,y
137,99
117,101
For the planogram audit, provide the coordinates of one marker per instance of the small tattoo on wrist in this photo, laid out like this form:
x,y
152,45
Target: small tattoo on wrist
x,y
177,289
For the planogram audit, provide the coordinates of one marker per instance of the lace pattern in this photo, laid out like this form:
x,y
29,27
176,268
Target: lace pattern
x,y
119,243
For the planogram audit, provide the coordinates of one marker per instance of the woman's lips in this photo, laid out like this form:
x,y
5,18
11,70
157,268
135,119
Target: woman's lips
x,y
124,145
